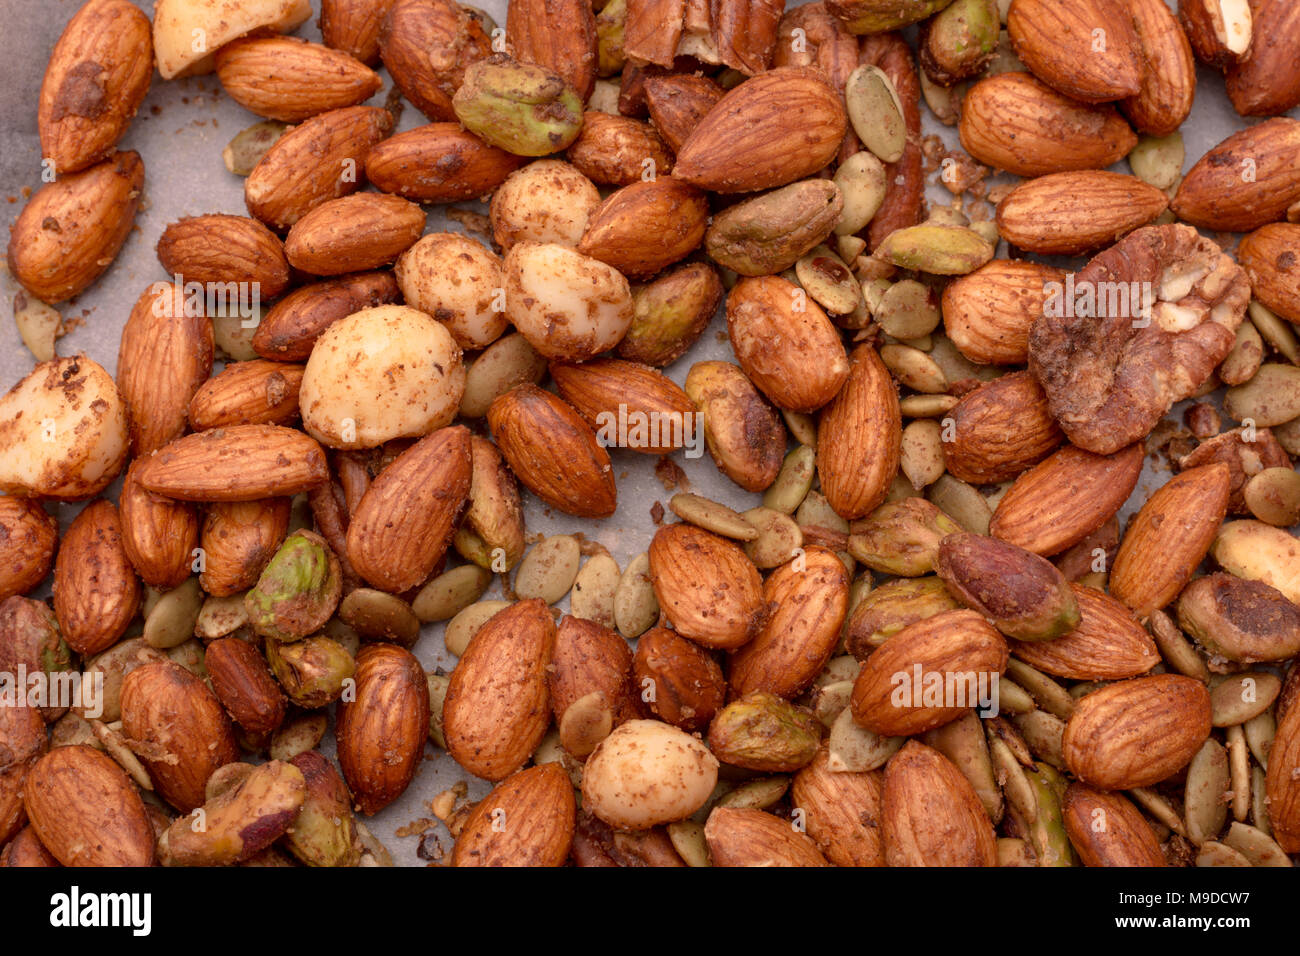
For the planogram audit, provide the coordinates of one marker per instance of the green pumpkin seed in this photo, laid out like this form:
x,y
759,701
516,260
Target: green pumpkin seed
x,y
507,362
379,616
635,606
220,616
802,426
907,310
172,618
778,538
712,516
438,684
829,701
964,743
876,113
451,592
190,655
1239,772
1159,809
828,280
1005,731
585,723
1158,160
850,247
592,597
249,145
298,735
114,744
1260,731
549,569
961,502
793,482
922,459
1217,854
861,179
914,368
1042,732
1207,781
1014,699
688,840
1245,358
1259,801
1050,695
1012,851
927,406
757,794
39,325
854,749
1271,398
1174,647
1273,496
1242,696
1256,846
462,628
1288,436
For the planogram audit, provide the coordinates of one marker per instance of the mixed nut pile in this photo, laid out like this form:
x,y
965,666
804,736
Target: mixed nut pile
x,y
931,643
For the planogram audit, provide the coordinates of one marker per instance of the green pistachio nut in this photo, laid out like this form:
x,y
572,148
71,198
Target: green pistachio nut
x,y
936,249
1241,620
768,234
312,671
525,109
670,313
325,832
298,590
960,40
610,25
880,16
888,609
764,732
901,537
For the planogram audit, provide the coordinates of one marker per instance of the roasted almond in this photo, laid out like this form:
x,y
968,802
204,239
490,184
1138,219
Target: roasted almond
x,y
239,463
1283,781
353,233
679,681
618,150
1271,262
1074,212
96,592
1107,830
931,815
1137,732
842,812
646,226
677,102
289,79
740,837
239,538
28,536
290,328
439,162
707,588
257,392
23,739
859,438
527,820
244,685
159,534
988,313
597,389
498,704
426,46
1169,71
1220,31
1057,40
557,34
1264,81
1244,182
1107,644
742,431
353,26
591,658
999,430
219,248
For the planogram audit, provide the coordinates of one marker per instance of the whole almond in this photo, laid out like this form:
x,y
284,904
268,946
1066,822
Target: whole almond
x,y
1015,123
256,392
239,538
244,685
745,142
353,233
498,705
98,74
646,226
405,521
320,159
28,536
1244,182
86,811
590,658
557,34
381,733
842,812
290,328
1264,81
740,837
1056,40
553,452
931,815
353,26
439,162
952,643
1137,732
1107,644
22,740
1283,780
618,150
1073,212
988,313
426,45
1065,497
26,849
1220,31
96,592
1169,75
679,681
239,463
677,102
1268,255
707,588
597,388
30,641
1167,539
527,820
1107,830
73,228
810,596
1000,429
220,248
178,729
859,438
159,534
742,431
289,79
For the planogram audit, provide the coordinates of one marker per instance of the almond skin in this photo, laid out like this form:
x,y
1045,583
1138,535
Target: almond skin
x,y
405,520
353,233
954,642
1283,779
257,392
96,592
810,599
1167,539
381,733
306,166
179,730
859,438
707,588
746,143
239,463
1073,212
1265,82
687,683
239,538
98,74
1216,194
589,657
439,163
22,741
1169,77
931,814
70,232
1000,429
1065,497
1015,123
677,102
1107,830
498,705
28,536
86,811
1055,39
289,330
646,226
220,248
1137,732
842,812
598,387
165,355
527,820
244,685
426,45
988,313
739,837
553,452
288,79
1108,643
1269,256
787,346
159,534
618,150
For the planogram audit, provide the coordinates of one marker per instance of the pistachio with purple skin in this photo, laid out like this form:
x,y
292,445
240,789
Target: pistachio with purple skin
x,y
901,537
525,109
311,671
298,591
325,831
764,732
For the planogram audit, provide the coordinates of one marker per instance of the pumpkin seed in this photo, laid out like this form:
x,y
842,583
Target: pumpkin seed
x,y
298,735
829,701
987,229
914,368
1158,160
1014,699
1174,647
861,179
907,310
927,406
802,426
1245,358
1050,695
72,729
373,853
1239,772
345,634
1160,809
961,502
171,619
507,362
849,246
712,516
585,723
756,794
1006,732
1273,496
964,743
451,592
438,684
190,655
688,840
1259,801
115,746
1213,853
220,616
948,216
1256,846
854,749
793,482
876,113
39,325
826,278
462,628
1271,398
635,606
873,293
922,457
379,616
1242,696
1288,436
1276,332
592,597
249,146
548,570
1208,779
844,667
1042,732
1260,731
778,538
816,512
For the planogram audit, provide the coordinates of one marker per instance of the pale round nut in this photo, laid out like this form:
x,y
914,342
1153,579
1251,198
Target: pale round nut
x,y
379,374
457,281
567,305
546,201
645,773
